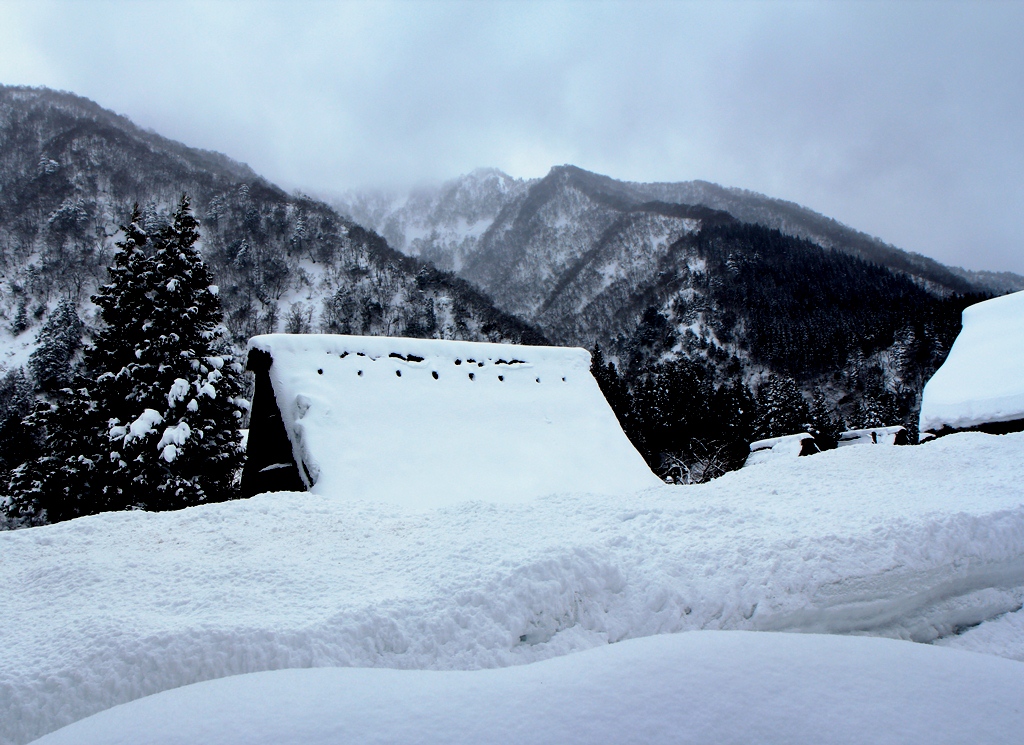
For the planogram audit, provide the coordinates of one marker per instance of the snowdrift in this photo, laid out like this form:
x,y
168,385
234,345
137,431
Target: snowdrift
x,y
708,687
427,422
916,543
982,380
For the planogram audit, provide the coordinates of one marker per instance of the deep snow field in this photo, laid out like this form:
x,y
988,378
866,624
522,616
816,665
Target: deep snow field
x,y
707,687
923,543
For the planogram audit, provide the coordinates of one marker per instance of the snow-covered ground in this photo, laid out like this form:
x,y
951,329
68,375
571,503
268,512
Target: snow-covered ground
x,y
910,542
711,687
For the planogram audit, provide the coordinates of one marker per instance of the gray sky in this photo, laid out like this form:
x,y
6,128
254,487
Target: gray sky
x,y
904,120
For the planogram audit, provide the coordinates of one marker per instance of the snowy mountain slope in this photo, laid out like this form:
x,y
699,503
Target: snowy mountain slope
x,y
747,285
566,238
708,688
654,281
439,224
800,222
482,195
70,172
915,543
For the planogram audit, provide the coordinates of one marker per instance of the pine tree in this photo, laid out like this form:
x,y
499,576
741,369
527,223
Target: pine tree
x,y
781,409
611,384
65,481
58,342
197,388
826,426
153,421
20,322
17,398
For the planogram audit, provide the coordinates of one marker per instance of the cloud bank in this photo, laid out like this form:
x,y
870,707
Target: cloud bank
x,y
902,120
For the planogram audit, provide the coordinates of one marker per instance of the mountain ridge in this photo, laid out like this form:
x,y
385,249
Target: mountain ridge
x,y
788,217
71,170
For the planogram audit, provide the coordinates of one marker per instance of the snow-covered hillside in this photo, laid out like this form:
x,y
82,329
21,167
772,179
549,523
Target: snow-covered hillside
x,y
451,223
915,543
706,687
70,172
441,224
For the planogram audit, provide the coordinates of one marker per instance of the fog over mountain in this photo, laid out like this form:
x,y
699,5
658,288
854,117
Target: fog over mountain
x,y
483,223
901,119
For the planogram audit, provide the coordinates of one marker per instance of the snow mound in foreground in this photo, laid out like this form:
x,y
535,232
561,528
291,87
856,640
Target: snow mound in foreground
x,y
913,542
705,687
982,379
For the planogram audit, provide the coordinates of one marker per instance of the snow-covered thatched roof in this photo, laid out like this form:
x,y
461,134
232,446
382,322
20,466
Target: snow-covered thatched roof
x,y
428,422
982,380
781,448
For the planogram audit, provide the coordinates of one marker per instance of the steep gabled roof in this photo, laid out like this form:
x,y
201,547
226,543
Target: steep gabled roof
x,y
429,422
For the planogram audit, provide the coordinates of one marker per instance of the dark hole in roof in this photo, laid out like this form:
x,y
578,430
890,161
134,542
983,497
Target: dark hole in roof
x,y
406,357
398,373
343,355
538,380
458,362
360,372
501,377
320,371
434,373
472,376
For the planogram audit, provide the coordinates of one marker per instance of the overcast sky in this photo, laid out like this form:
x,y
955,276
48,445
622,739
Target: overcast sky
x,y
904,120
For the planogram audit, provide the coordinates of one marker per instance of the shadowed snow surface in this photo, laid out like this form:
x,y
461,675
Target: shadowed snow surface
x,y
913,542
713,687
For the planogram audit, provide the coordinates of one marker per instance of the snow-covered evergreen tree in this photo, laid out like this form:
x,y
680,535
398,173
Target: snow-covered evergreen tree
x,y
58,342
191,449
17,397
153,421
825,424
65,480
781,409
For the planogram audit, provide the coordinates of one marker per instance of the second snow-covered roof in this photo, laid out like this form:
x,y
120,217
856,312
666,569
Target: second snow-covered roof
x,y
982,380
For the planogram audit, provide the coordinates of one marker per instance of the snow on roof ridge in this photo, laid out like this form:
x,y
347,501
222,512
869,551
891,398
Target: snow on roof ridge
x,y
385,346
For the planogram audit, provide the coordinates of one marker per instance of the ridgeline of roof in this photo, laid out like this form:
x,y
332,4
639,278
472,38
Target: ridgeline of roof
x,y
982,380
428,422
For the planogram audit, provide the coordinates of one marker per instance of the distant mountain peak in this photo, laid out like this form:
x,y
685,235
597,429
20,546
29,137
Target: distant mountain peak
x,y
448,224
